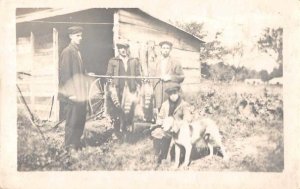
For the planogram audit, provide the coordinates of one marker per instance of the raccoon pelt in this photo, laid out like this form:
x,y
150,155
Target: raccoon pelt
x,y
129,99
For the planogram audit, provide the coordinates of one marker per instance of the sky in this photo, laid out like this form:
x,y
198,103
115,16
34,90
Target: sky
x,y
237,18
241,21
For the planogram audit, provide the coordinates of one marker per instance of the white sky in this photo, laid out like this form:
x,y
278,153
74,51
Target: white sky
x,y
237,18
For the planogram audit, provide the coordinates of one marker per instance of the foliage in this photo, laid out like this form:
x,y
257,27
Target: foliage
x,y
193,28
213,50
250,120
264,75
223,72
271,40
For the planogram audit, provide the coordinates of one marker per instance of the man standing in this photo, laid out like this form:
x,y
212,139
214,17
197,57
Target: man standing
x,y
73,89
168,69
122,65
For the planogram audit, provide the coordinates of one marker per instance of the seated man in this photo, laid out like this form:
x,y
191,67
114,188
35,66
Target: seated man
x,y
174,107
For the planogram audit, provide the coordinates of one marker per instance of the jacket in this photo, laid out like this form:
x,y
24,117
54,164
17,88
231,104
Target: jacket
x,y
72,79
174,69
116,68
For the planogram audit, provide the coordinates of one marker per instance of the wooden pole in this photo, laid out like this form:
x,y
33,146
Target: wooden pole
x,y
55,102
116,31
122,77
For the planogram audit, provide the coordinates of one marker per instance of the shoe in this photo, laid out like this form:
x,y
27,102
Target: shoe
x,y
157,159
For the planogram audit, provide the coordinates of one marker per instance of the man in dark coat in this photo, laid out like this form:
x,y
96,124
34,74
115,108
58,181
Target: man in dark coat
x,y
122,65
73,89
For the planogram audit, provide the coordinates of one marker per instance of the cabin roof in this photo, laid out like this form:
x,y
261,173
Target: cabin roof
x,y
27,15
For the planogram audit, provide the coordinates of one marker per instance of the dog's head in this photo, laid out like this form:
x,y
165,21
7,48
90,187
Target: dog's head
x,y
168,124
173,126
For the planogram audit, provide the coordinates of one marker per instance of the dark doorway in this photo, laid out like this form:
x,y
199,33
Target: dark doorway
x,y
97,43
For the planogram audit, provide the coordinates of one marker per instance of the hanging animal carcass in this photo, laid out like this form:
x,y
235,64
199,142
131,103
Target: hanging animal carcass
x,y
145,103
137,107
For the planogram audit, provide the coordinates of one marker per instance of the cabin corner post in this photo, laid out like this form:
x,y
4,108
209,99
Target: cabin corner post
x,y
116,30
55,109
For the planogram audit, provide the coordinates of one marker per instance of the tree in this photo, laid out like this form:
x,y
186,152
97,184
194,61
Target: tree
x,y
205,70
277,72
264,75
271,42
193,28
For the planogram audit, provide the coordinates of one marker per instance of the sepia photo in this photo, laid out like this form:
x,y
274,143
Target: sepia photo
x,y
75,113
123,88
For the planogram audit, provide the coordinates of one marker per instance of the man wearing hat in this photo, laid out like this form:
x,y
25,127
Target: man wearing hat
x,y
122,65
168,69
73,89
177,109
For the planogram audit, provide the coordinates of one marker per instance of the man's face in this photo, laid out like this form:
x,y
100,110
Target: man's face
x,y
165,50
123,51
174,95
76,38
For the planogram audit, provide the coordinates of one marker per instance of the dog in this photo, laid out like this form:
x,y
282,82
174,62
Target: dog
x,y
186,135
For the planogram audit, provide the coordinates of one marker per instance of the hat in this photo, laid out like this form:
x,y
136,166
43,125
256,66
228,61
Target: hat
x,y
166,42
173,86
122,45
75,29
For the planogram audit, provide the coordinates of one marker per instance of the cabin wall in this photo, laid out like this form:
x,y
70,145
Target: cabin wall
x,y
139,27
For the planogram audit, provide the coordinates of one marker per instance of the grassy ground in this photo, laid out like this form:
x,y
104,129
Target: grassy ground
x,y
252,135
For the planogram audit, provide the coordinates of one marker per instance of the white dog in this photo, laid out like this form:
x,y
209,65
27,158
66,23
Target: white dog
x,y
186,135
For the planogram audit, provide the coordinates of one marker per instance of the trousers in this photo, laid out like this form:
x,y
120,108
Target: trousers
x,y
161,147
75,122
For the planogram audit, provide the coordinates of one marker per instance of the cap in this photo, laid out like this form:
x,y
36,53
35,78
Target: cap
x,y
75,29
122,45
172,86
166,42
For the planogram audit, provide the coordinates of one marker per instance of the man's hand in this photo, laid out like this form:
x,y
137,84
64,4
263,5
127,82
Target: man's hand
x,y
166,78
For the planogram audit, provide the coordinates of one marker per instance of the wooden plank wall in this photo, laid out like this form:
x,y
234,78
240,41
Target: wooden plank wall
x,y
35,56
140,27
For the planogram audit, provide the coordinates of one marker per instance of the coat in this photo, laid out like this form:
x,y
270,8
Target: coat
x,y
72,79
181,112
116,68
174,69
72,82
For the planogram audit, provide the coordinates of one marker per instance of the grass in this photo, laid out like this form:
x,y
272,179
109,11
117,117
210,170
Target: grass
x,y
253,137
